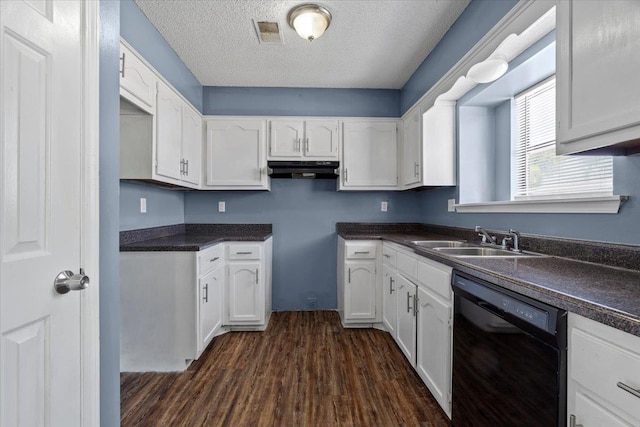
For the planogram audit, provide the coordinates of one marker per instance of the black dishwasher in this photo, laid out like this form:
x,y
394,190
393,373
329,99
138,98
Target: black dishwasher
x,y
509,358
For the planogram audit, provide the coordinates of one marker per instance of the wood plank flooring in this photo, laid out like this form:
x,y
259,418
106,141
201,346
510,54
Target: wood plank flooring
x,y
304,370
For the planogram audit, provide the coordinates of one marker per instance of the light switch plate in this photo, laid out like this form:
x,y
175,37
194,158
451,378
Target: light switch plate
x,y
222,206
451,205
383,206
143,205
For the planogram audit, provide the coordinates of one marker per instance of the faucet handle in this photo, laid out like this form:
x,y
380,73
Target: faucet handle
x,y
505,242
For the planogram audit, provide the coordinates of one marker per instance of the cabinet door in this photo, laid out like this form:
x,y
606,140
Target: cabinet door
x,y
321,139
597,66
389,304
433,352
439,144
137,82
191,145
286,138
169,133
411,165
236,153
369,155
360,290
406,322
245,294
210,310
590,413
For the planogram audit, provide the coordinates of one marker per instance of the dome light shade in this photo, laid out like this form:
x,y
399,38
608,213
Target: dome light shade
x,y
309,20
489,70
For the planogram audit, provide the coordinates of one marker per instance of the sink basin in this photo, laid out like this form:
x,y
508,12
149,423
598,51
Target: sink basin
x,y
441,244
483,252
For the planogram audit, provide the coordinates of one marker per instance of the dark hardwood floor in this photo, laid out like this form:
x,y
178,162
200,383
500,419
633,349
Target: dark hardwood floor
x,y
304,370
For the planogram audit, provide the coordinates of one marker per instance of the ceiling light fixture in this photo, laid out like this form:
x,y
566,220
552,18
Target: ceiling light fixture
x,y
309,20
489,70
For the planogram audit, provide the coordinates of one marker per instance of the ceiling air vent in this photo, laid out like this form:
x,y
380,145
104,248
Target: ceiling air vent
x,y
268,32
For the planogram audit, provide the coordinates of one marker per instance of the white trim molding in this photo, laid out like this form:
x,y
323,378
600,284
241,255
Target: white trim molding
x,y
591,205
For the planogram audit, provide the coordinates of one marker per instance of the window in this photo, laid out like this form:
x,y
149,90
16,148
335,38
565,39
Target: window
x,y
538,171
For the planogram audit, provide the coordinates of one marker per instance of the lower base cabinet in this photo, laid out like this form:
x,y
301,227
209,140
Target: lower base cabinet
x,y
389,300
210,307
406,325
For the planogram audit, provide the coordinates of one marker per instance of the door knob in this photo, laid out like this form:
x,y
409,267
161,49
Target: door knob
x,y
67,281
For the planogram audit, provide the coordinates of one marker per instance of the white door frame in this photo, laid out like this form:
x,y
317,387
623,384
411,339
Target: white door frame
x,y
90,218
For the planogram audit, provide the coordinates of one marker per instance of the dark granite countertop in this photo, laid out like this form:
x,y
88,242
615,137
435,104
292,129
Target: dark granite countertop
x,y
190,237
607,294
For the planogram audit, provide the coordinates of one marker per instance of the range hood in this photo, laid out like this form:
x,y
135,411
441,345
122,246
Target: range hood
x,y
303,169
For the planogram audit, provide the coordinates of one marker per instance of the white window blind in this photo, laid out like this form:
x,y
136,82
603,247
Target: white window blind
x,y
539,172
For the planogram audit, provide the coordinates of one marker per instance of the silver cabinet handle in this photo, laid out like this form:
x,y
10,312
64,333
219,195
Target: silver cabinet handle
x,y
205,288
186,167
256,276
243,253
123,58
408,302
66,281
349,280
416,169
214,259
181,166
386,255
629,389
572,421
298,145
390,285
361,252
306,145
346,174
415,305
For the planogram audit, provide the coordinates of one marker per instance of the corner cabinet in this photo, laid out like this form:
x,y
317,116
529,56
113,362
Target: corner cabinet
x,y
137,81
236,155
369,155
359,295
411,149
597,59
303,139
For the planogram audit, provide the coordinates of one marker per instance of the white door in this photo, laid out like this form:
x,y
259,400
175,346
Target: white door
x,y
286,138
210,301
406,323
433,352
191,145
169,136
411,146
360,290
370,155
389,305
246,301
46,111
321,139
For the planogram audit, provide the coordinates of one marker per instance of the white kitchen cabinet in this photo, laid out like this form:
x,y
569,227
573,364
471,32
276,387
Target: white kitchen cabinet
x,y
596,79
248,285
137,81
191,145
389,300
236,155
210,310
169,162
406,320
412,150
439,145
602,362
303,139
369,155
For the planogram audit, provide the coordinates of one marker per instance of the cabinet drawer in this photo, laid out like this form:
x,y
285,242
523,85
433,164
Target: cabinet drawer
x,y
210,259
599,365
407,265
436,278
240,251
361,251
389,256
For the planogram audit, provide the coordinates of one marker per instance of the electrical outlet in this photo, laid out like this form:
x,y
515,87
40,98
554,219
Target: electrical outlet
x,y
312,303
451,205
143,205
383,206
222,206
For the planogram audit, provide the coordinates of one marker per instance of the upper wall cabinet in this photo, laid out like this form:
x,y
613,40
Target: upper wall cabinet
x,y
411,148
369,155
298,139
137,81
236,155
598,45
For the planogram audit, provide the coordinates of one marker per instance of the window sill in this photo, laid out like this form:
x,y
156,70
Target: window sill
x,y
602,204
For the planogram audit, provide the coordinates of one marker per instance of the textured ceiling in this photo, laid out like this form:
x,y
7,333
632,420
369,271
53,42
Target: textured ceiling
x,y
370,44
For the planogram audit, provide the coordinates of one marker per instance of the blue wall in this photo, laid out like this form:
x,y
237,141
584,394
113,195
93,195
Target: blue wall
x,y
109,239
164,207
267,101
304,214
476,20
140,33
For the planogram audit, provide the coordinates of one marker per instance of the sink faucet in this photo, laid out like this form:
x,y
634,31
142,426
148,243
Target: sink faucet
x,y
515,235
486,237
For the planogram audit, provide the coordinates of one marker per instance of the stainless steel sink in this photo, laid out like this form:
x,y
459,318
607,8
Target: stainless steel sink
x,y
484,252
441,244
